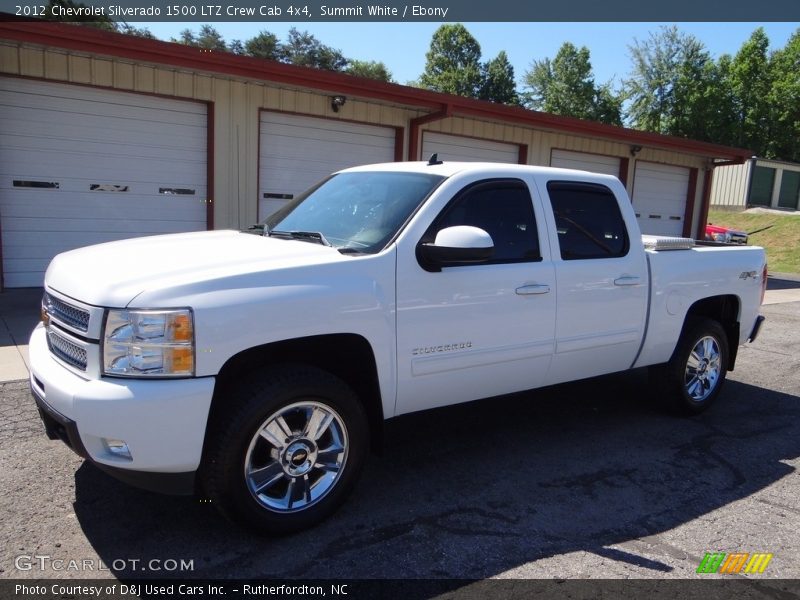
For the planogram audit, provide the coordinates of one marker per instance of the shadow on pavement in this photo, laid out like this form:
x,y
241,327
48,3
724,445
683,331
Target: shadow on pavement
x,y
478,489
776,283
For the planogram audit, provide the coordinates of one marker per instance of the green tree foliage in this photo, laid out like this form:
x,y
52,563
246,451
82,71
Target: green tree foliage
x,y
264,45
565,86
751,82
784,98
667,74
128,29
453,62
369,69
208,38
498,83
303,49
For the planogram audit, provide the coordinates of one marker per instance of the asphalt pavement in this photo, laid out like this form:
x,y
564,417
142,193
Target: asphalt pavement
x,y
585,480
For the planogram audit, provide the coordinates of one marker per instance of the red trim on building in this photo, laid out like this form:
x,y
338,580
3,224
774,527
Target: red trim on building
x,y
691,193
523,154
399,138
624,165
414,147
90,40
210,167
703,220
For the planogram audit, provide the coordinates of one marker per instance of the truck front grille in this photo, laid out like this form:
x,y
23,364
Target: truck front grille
x,y
66,350
71,315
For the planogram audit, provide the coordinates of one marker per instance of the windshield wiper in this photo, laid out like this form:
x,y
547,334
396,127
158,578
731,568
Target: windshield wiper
x,y
305,236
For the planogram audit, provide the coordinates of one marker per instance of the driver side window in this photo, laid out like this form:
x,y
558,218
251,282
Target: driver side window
x,y
502,208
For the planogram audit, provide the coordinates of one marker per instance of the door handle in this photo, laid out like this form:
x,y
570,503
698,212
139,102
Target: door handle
x,y
626,280
533,289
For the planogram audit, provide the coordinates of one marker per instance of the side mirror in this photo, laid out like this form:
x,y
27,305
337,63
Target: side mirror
x,y
459,245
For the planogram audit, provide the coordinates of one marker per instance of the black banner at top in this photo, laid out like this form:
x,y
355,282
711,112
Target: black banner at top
x,y
408,11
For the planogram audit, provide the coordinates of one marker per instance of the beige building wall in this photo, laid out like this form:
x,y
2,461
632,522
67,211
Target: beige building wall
x,y
541,143
729,188
236,103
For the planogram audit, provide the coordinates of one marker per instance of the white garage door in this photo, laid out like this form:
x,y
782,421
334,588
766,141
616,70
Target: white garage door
x,y
659,198
594,163
297,152
458,148
81,166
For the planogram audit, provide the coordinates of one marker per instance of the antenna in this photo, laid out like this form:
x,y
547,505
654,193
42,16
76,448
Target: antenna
x,y
434,160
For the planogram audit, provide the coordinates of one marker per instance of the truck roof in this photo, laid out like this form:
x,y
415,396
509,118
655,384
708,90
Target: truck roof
x,y
448,168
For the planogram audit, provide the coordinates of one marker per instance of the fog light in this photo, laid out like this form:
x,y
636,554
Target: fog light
x,y
118,448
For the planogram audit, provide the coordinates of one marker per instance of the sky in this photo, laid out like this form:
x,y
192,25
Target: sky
x,y
402,46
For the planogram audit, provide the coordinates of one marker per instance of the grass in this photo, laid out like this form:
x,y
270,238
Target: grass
x,y
781,241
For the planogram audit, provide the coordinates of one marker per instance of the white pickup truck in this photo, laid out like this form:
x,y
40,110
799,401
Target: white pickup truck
x,y
257,367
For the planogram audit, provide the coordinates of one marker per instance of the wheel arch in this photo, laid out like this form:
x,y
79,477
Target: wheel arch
x,y
725,309
349,357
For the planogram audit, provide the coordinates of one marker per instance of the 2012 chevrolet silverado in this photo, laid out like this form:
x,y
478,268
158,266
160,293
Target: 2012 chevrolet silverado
x,y
257,367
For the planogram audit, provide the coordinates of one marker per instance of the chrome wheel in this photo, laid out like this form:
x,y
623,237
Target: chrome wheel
x,y
703,369
296,456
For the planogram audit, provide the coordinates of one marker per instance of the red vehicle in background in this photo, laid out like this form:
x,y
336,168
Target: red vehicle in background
x,y
717,233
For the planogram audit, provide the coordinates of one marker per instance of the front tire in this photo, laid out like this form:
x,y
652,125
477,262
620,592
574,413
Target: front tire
x,y
289,452
693,378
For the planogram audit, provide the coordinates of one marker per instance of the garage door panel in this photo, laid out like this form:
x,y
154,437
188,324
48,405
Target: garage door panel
x,y
357,136
98,103
594,163
297,152
92,94
659,198
26,133
460,148
118,170
81,137
97,126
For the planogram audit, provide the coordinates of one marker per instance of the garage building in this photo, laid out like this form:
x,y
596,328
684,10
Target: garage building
x,y
757,182
105,136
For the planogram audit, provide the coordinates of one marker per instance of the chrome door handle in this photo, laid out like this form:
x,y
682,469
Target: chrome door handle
x,y
626,280
534,289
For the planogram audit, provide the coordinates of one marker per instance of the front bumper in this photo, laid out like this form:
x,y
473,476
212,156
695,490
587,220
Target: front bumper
x,y
163,422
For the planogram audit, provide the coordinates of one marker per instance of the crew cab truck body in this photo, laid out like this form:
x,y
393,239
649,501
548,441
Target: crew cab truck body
x,y
257,367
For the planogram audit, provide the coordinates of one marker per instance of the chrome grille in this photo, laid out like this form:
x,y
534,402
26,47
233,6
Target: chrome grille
x,y
66,350
71,315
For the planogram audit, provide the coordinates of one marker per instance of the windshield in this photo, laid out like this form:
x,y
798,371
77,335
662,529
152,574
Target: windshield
x,y
360,212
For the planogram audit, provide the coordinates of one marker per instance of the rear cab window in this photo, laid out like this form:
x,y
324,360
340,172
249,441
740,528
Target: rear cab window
x,y
588,221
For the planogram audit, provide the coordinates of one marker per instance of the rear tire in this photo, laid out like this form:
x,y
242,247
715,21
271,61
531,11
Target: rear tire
x,y
692,379
289,451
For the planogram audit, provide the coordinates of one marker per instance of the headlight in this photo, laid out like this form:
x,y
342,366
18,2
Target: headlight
x,y
149,343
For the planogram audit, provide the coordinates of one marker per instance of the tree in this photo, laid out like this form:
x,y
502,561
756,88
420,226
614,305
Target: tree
x,y
264,45
565,86
208,39
369,69
498,83
751,82
453,62
303,49
669,86
784,142
142,32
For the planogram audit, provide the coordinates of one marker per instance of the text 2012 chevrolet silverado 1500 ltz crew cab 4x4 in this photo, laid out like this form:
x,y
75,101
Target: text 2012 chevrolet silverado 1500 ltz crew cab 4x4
x,y
257,367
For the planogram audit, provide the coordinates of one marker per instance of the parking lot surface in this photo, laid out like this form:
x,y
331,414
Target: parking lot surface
x,y
582,480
